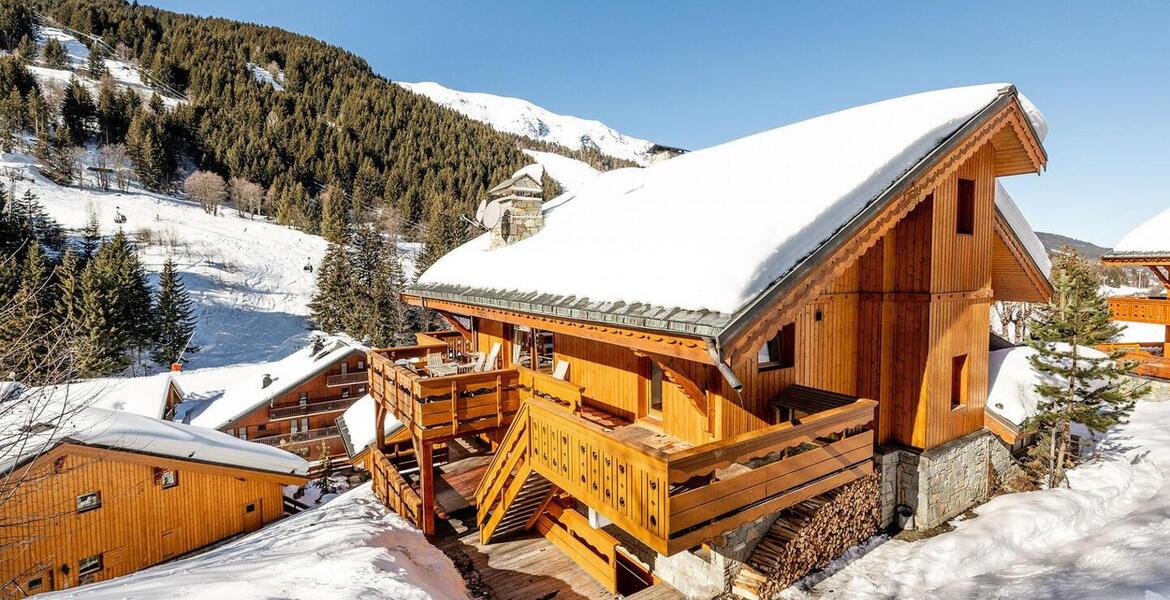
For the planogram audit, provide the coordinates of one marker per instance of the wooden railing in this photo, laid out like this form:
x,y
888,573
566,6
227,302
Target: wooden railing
x,y
299,437
313,407
593,549
676,501
394,491
455,343
442,407
504,477
1140,310
540,385
341,379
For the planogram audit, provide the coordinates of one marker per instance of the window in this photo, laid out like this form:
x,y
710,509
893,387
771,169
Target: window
x,y
89,564
521,346
780,351
654,405
169,478
303,399
251,508
965,211
362,389
958,381
361,365
242,433
89,501
35,584
262,427
59,464
345,392
299,425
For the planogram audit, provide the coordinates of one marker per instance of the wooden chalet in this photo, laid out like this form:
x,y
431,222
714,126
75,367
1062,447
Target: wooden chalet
x,y
294,403
653,380
102,493
1146,246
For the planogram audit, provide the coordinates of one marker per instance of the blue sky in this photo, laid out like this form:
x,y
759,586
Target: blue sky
x,y
694,74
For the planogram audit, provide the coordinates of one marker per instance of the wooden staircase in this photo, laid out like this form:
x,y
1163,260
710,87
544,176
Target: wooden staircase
x,y
510,493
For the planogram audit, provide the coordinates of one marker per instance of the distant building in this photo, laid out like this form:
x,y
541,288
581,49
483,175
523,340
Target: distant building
x,y
293,405
1148,245
102,493
658,153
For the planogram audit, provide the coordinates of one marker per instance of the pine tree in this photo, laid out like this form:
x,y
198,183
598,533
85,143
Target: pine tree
x,y
91,236
26,323
17,23
77,112
334,215
68,306
332,306
175,317
26,49
96,64
99,350
1078,387
54,55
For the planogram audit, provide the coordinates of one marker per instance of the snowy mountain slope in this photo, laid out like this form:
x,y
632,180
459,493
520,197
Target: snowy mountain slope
x,y
123,73
246,277
351,548
521,117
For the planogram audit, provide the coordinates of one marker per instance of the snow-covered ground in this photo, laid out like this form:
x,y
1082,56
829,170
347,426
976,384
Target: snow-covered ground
x,y
521,117
246,276
1105,536
351,548
1142,332
124,73
569,172
263,76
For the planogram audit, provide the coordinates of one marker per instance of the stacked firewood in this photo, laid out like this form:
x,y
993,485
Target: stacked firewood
x,y
809,535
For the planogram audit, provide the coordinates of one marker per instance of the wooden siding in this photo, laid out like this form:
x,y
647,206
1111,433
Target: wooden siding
x,y
138,523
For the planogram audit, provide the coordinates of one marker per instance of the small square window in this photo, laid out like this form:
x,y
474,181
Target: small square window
x,y
361,389
361,365
965,211
59,464
780,351
958,381
251,508
242,433
169,478
35,584
345,392
89,501
89,564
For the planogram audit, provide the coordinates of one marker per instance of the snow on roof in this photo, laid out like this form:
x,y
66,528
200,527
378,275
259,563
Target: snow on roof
x,y
349,549
146,396
1015,219
357,425
713,229
1148,238
250,393
1012,382
40,423
569,172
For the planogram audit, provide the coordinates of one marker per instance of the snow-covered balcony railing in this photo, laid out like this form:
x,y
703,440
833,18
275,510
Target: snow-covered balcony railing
x,y
431,405
299,437
1140,310
313,407
352,378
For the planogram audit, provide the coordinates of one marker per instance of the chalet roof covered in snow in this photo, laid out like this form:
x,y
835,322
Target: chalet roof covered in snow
x,y
688,244
42,422
356,425
251,393
1150,239
146,396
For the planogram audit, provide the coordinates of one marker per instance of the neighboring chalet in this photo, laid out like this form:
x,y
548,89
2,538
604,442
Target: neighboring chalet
x,y
154,396
1146,246
293,404
681,353
99,493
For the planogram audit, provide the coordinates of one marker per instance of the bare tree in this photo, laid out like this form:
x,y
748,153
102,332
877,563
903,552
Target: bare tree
x,y
118,162
1013,320
247,196
75,158
101,169
208,189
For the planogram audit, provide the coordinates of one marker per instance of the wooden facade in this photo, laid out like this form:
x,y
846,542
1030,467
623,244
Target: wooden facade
x,y
302,417
86,514
647,429
1152,356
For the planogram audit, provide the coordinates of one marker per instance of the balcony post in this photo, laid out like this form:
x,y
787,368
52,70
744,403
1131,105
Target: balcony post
x,y
379,426
426,472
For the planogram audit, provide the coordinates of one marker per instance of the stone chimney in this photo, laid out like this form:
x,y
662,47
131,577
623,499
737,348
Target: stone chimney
x,y
266,381
519,218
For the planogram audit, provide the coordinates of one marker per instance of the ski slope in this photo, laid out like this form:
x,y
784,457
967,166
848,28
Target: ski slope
x,y
521,117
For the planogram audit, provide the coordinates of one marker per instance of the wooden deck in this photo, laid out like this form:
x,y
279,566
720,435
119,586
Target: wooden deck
x,y
527,567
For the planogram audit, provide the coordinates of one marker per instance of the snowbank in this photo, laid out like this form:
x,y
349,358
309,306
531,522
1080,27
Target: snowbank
x,y
1141,332
521,117
249,393
1105,536
56,421
748,210
349,549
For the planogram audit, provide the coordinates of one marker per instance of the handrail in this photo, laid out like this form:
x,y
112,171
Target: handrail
x,y
346,378
565,393
508,443
1141,310
298,437
312,408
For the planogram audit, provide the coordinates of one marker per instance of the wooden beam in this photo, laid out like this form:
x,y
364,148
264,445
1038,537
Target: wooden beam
x,y
667,344
456,325
1160,275
674,374
424,451
552,492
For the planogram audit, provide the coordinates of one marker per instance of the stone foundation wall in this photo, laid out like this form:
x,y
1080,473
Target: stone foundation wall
x,y
942,482
710,572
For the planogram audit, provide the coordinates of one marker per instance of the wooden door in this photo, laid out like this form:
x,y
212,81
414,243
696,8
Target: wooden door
x,y
253,515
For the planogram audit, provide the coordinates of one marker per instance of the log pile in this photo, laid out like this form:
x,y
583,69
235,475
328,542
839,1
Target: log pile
x,y
808,536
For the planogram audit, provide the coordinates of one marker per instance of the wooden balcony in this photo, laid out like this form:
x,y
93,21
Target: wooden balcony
x,y
670,496
344,379
299,437
314,407
1140,310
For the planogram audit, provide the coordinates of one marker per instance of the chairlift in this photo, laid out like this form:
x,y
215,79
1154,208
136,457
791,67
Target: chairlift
x,y
309,266
119,218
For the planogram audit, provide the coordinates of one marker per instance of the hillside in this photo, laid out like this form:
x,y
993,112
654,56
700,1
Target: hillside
x,y
1054,241
523,118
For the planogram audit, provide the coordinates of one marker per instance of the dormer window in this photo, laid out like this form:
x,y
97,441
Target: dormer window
x,y
965,209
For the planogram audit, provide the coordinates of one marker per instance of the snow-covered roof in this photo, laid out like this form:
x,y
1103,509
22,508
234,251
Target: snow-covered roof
x,y
702,235
1015,219
1148,239
1012,382
42,422
146,396
248,394
356,425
